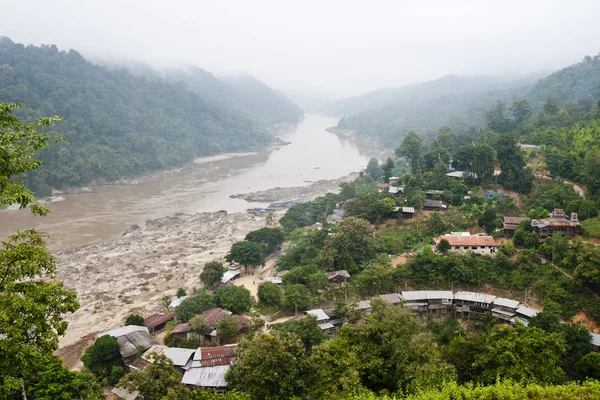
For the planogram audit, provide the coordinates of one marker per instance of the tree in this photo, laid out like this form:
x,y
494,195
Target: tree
x,y
199,325
103,359
551,106
484,162
589,366
195,304
443,247
488,220
411,149
32,303
438,154
496,120
373,170
296,298
463,158
386,170
236,299
350,248
249,254
181,291
156,380
307,330
272,237
269,366
269,293
212,273
521,110
435,224
134,319
227,328
393,353
51,380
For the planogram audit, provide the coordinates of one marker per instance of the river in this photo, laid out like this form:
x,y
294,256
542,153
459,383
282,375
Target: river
x,y
80,219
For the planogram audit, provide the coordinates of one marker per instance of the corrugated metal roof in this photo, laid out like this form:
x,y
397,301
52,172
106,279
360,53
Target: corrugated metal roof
x,y
478,241
318,313
474,297
158,319
342,272
515,220
391,298
123,331
595,341
230,274
521,320
439,295
526,311
434,203
181,328
408,210
157,349
414,295
273,279
212,377
211,356
123,393
500,311
508,303
179,356
326,325
214,315
177,301
363,305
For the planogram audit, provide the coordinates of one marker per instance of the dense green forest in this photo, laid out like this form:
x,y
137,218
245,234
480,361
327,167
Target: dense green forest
x,y
464,107
120,125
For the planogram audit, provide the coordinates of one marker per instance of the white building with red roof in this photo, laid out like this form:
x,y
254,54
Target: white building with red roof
x,y
464,242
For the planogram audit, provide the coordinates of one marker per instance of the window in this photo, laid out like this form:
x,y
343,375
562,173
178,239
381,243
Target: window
x,y
474,247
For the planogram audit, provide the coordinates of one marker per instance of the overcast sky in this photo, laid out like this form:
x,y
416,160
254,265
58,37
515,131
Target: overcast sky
x,y
328,47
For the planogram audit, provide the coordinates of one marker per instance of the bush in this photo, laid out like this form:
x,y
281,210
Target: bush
x,y
134,319
102,357
234,298
269,293
196,304
181,292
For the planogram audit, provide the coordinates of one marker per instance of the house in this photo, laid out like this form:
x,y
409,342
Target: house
x,y
131,339
510,225
416,300
557,222
393,179
528,146
439,300
430,194
182,358
381,187
338,277
175,303
525,313
319,314
476,304
213,317
327,327
156,322
230,275
504,309
182,331
461,174
363,306
408,212
396,191
434,205
209,366
391,298
465,242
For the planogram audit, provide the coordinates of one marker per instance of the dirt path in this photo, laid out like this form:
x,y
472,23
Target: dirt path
x,y
252,280
578,189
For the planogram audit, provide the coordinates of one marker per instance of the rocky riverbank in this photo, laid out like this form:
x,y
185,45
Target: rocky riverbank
x,y
297,193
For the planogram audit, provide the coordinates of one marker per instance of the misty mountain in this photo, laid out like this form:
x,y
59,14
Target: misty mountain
x,y
412,94
466,108
116,124
245,93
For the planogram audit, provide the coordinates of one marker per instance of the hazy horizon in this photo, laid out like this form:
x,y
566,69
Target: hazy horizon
x,y
330,50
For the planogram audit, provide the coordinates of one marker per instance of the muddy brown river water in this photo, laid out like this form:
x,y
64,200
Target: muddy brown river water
x,y
79,219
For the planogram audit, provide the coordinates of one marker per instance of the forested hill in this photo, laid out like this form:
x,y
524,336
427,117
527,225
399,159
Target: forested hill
x,y
116,124
579,83
415,93
244,93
